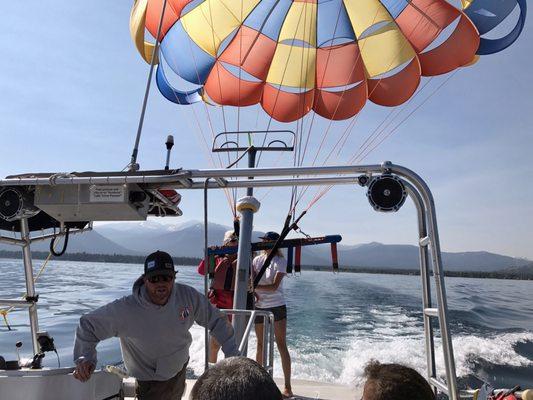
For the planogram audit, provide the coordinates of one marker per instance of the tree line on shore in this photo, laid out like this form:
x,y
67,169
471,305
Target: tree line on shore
x,y
522,274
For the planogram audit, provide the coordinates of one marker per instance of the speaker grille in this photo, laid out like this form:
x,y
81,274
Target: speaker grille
x,y
386,193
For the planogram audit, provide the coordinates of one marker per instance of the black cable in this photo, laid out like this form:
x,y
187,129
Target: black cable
x,y
287,227
65,244
58,361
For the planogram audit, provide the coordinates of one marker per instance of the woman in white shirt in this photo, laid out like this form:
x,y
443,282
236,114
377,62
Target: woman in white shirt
x,y
269,297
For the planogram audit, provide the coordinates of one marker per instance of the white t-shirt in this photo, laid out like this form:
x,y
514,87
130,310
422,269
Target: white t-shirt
x,y
268,298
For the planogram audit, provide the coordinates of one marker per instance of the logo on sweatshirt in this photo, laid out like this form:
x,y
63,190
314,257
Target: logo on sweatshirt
x,y
184,312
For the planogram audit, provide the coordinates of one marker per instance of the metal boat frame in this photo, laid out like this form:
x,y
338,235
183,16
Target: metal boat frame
x,y
417,189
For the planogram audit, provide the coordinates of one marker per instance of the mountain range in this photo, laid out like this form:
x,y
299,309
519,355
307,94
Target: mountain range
x,y
187,240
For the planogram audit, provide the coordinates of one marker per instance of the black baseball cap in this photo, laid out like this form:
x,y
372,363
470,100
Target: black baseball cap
x,y
270,236
158,263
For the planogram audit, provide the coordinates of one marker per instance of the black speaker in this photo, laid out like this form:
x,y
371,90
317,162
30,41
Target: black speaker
x,y
11,202
386,193
16,203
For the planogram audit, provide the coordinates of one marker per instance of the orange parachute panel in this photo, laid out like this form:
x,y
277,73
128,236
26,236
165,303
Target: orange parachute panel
x,y
340,105
225,88
396,89
339,66
285,106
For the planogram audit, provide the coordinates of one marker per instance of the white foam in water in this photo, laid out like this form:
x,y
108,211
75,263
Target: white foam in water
x,y
496,350
410,351
321,362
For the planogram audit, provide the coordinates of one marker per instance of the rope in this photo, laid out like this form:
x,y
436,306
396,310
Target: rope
x,y
4,312
279,88
201,134
147,91
370,139
360,155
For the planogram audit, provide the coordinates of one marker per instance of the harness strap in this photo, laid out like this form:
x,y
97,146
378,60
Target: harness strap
x,y
334,257
290,252
211,266
298,260
228,279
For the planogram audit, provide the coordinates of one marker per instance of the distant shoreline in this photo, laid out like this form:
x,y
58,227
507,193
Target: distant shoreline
x,y
191,261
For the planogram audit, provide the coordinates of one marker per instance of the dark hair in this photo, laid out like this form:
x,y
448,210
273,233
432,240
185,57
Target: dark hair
x,y
235,378
395,381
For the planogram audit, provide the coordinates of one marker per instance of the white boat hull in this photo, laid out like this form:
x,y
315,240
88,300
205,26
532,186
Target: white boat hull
x,y
57,384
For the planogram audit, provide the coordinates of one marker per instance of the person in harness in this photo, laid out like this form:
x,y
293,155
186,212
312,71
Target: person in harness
x,y
222,285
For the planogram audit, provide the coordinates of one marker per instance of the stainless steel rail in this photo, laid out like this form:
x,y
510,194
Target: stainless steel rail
x,y
30,286
429,253
268,334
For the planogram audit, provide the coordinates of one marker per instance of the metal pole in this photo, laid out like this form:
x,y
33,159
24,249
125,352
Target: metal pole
x,y
206,277
426,284
433,235
447,346
240,296
247,206
30,287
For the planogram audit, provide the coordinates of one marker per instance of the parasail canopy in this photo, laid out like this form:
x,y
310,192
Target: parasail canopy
x,y
329,56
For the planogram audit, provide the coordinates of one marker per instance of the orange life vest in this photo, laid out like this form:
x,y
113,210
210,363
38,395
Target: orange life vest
x,y
224,276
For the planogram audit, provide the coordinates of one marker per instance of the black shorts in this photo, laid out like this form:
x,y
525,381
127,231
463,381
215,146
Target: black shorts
x,y
279,312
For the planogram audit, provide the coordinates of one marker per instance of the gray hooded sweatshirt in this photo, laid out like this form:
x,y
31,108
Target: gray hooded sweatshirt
x,y
154,339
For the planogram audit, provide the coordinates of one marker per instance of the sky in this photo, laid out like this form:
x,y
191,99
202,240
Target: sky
x,y
71,90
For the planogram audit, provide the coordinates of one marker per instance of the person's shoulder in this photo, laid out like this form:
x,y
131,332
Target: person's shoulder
x,y
187,290
259,258
124,301
280,261
114,306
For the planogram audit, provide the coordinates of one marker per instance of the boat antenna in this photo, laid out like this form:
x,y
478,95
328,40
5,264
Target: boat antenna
x,y
133,166
169,143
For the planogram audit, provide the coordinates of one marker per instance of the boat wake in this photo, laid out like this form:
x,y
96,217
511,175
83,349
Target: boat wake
x,y
345,363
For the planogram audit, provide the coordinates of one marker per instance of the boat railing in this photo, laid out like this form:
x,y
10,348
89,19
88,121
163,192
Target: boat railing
x,y
268,334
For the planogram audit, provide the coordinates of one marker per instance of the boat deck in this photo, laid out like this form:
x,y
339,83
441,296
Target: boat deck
x,y
303,390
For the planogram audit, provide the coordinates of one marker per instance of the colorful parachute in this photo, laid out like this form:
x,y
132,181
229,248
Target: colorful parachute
x,y
330,56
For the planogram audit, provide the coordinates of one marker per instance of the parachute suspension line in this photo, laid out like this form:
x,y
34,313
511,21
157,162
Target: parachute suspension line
x,y
391,132
237,158
344,137
205,147
348,132
212,26
279,88
232,204
300,123
326,133
133,166
328,129
322,82
401,109
371,139
360,156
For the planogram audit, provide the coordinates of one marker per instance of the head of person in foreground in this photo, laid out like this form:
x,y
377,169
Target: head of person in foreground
x,y
235,378
395,381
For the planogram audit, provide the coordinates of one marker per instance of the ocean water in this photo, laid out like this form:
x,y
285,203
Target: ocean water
x,y
336,323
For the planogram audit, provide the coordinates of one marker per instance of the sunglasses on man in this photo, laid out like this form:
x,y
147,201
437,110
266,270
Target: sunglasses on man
x,y
161,278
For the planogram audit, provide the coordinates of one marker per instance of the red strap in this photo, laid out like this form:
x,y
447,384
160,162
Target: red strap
x,y
334,257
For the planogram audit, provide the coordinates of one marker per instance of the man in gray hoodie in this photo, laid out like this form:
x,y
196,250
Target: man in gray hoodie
x,y
153,327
